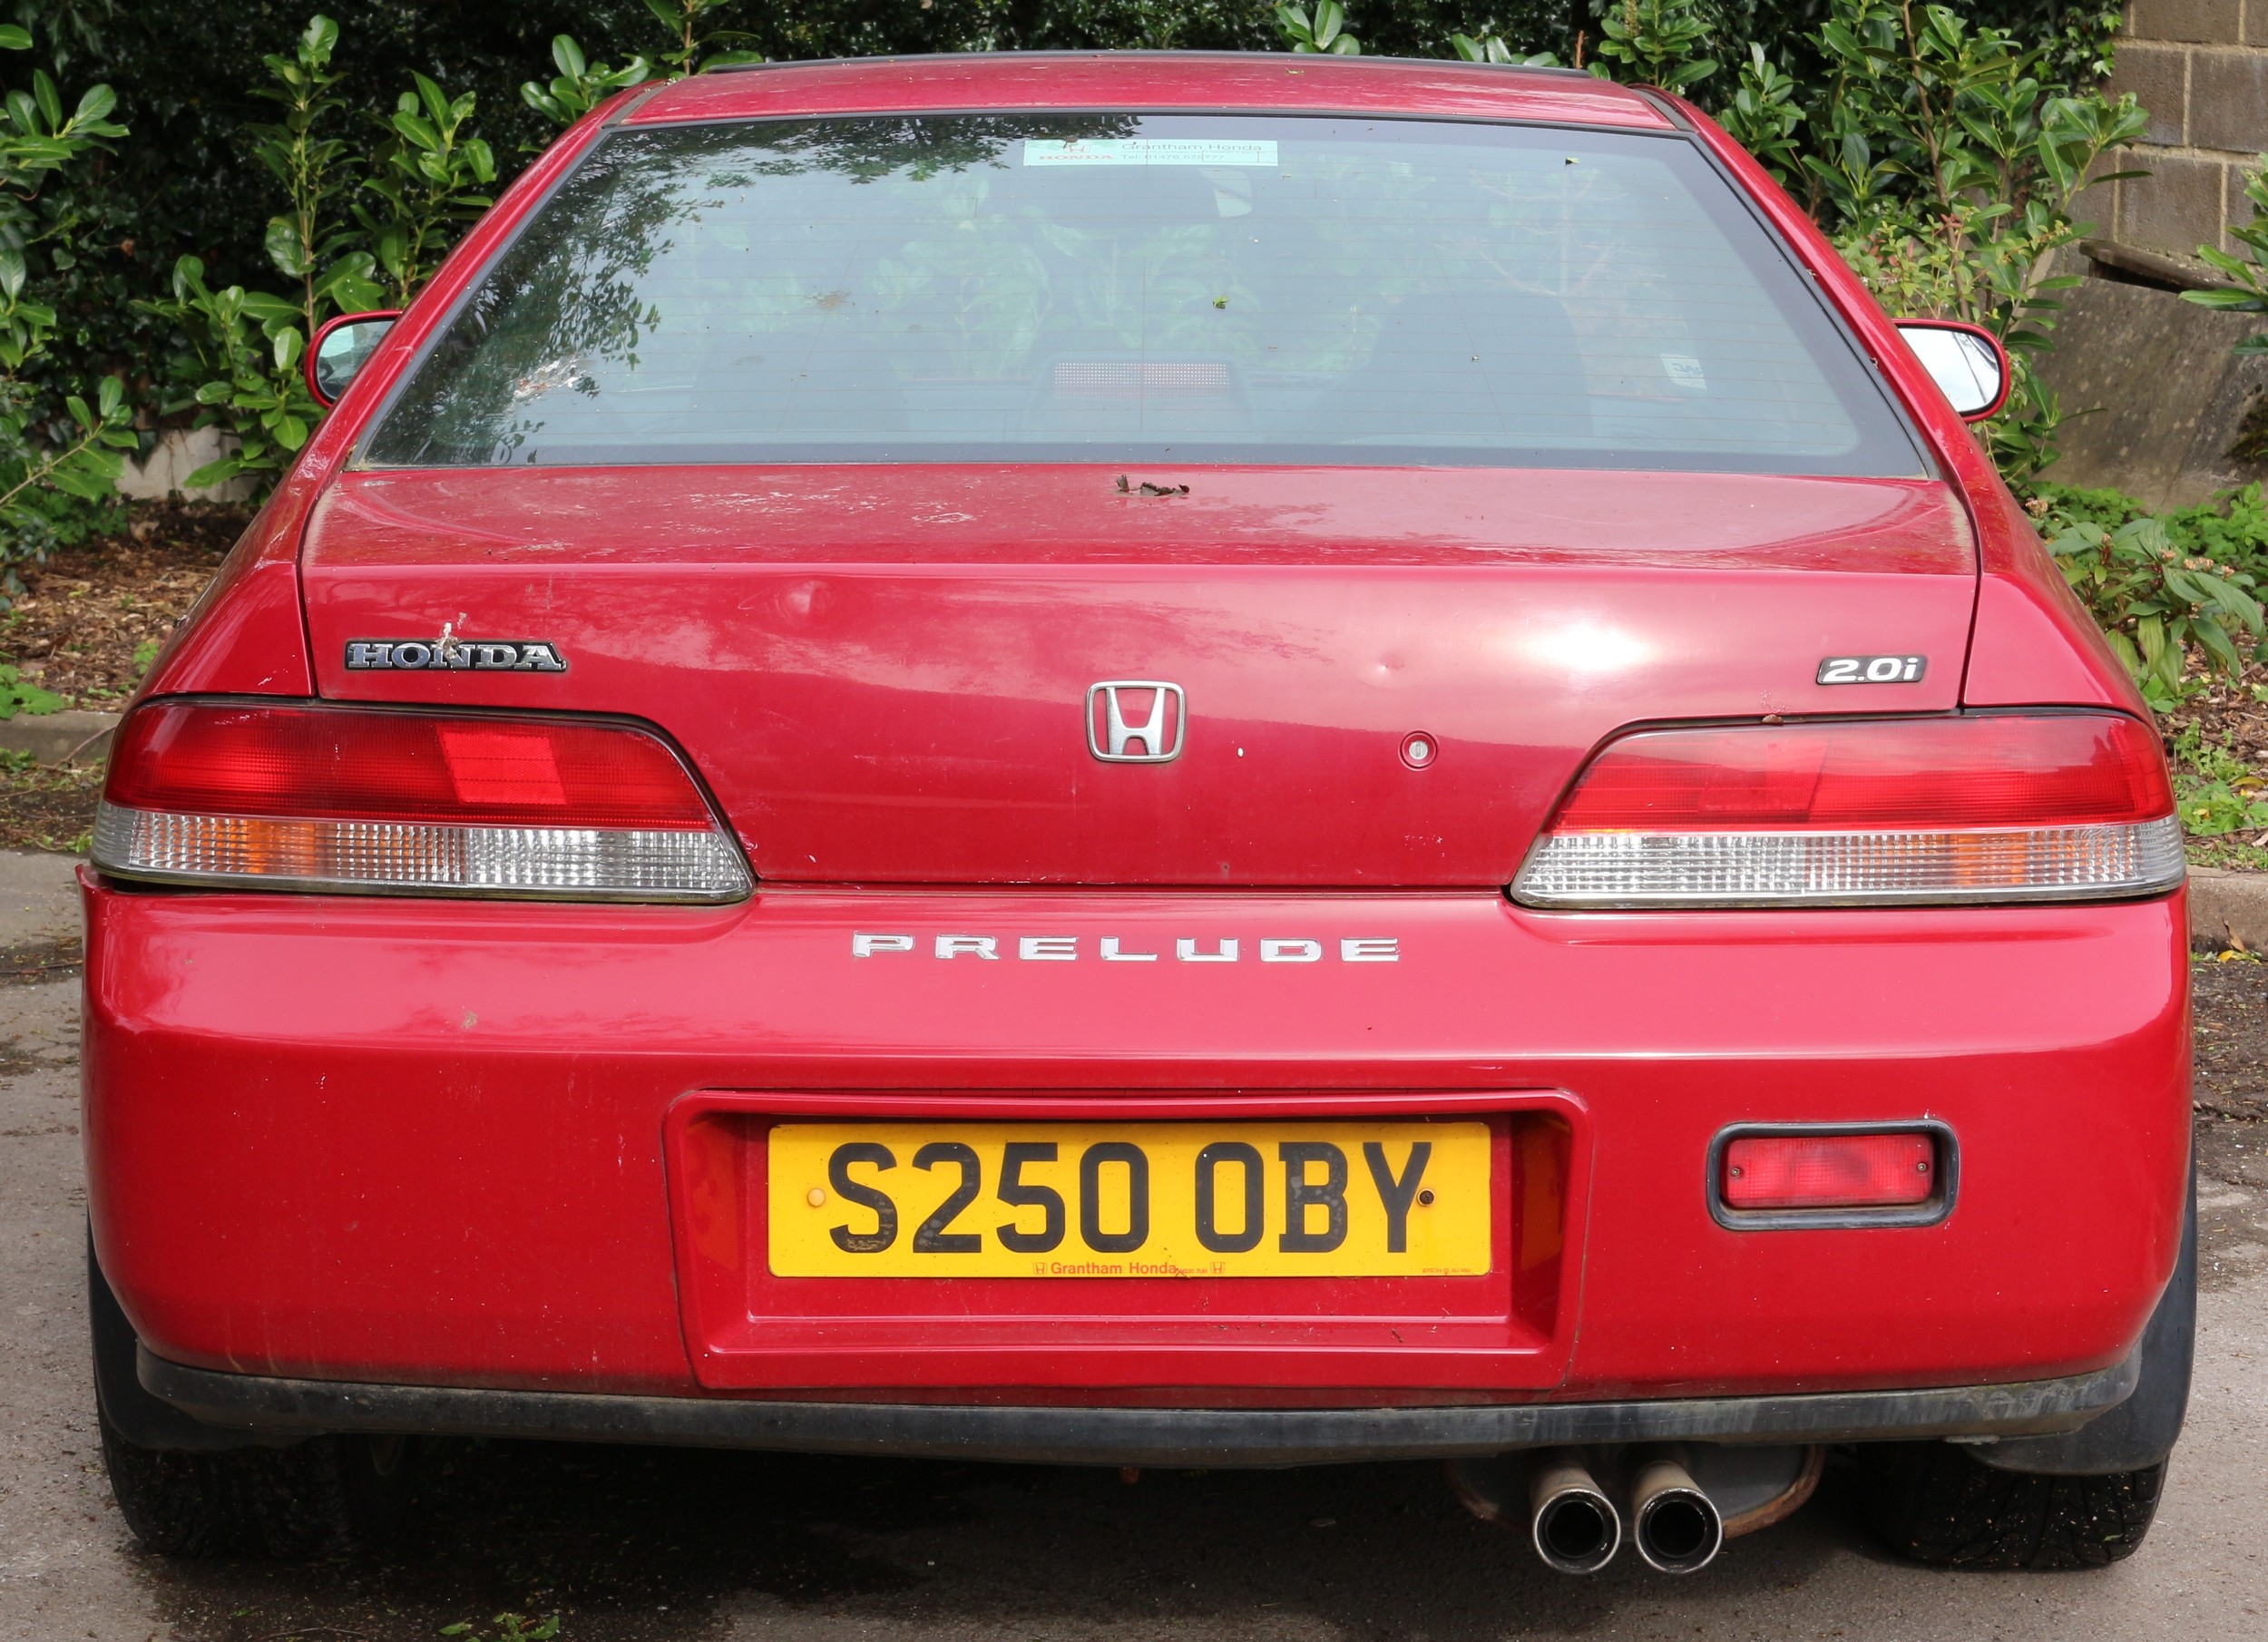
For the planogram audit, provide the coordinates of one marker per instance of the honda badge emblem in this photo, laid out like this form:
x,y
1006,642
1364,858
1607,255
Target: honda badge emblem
x,y
1136,721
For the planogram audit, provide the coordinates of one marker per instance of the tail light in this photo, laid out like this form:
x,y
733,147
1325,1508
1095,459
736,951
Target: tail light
x,y
344,799
2004,806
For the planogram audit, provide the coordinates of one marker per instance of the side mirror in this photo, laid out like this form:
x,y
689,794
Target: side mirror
x,y
1966,361
340,349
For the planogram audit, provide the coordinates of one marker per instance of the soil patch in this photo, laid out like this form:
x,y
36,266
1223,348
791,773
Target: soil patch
x,y
2229,718
92,618
2231,1093
2228,709
34,961
87,625
47,808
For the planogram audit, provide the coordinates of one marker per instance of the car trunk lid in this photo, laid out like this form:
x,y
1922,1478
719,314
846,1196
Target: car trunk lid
x,y
884,672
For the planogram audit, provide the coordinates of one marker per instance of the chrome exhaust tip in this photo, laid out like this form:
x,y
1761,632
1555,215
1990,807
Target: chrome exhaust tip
x,y
1676,1527
1574,1525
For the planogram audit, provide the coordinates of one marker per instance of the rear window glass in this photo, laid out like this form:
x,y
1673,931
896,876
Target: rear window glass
x,y
1144,288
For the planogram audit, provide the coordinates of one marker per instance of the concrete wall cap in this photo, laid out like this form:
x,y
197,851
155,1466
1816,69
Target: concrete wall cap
x,y
76,737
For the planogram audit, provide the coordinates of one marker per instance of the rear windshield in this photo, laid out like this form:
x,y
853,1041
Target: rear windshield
x,y
1124,288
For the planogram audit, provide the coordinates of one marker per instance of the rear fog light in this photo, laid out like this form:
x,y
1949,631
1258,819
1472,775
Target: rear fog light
x,y
1822,1171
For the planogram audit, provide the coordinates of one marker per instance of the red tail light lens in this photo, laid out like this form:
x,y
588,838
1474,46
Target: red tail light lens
x,y
340,798
1998,807
2059,769
1823,1171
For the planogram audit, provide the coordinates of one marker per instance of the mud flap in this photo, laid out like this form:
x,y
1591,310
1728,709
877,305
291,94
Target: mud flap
x,y
2140,1432
143,1420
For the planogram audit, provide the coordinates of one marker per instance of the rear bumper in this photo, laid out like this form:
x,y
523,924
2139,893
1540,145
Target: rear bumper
x,y
510,1149
1132,1436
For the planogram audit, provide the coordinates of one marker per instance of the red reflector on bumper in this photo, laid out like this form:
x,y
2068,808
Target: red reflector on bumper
x,y
1828,1171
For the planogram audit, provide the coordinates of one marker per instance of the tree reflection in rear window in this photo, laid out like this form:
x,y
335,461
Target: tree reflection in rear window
x,y
1149,287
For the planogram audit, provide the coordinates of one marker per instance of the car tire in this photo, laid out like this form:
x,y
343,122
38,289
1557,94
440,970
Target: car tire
x,y
1934,1503
324,1497
190,1489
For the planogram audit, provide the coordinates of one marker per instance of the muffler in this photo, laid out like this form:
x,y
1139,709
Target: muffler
x,y
1676,1527
1575,1526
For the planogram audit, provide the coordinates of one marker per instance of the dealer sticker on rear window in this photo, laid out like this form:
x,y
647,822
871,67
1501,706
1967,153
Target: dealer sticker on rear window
x,y
1146,151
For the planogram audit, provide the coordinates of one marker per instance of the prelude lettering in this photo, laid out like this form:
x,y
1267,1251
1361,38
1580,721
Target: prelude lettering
x,y
1111,949
1186,950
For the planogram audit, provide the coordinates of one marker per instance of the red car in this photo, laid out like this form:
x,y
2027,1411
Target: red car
x,y
1152,759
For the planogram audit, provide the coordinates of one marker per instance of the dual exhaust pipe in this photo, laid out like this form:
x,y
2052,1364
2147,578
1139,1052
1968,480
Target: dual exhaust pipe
x,y
1677,1503
1577,1527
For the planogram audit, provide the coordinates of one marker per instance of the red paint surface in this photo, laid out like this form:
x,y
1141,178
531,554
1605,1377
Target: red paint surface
x,y
748,1330
445,1162
1211,83
2033,641
484,1144
881,670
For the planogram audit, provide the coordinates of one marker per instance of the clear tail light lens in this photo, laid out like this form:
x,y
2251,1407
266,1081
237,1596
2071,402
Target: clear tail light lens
x,y
2003,806
344,799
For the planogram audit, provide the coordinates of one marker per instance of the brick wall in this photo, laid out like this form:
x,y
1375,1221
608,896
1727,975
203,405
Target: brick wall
x,y
2200,67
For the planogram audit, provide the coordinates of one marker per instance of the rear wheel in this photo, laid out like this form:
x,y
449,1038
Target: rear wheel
x,y
191,1490
1933,1502
318,1498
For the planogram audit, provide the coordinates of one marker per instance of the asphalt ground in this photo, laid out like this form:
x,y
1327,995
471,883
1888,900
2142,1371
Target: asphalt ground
x,y
628,1543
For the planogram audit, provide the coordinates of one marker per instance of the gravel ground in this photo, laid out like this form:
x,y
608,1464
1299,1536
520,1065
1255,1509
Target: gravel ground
x,y
642,1544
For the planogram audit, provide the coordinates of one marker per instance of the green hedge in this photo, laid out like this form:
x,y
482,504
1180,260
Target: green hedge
x,y
185,70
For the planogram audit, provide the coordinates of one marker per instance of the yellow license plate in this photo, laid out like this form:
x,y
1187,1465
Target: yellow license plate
x,y
1226,1199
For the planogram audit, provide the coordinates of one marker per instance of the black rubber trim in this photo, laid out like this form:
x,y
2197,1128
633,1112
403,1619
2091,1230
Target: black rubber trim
x,y
1928,1212
631,105
1656,99
1213,1437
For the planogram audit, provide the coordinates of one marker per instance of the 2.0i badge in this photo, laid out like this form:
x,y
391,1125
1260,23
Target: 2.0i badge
x,y
1871,670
